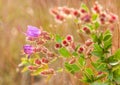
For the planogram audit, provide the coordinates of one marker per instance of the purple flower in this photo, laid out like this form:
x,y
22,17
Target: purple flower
x,y
33,31
28,49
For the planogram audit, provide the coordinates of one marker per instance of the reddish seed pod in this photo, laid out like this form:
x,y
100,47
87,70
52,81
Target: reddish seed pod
x,y
99,73
88,42
40,42
38,61
76,13
80,49
44,50
59,17
113,18
86,30
58,45
44,60
37,49
47,37
31,38
66,10
47,72
72,61
50,54
65,43
69,38
82,11
31,68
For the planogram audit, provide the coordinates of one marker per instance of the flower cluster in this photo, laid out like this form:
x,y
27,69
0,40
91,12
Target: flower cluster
x,y
37,38
95,48
83,14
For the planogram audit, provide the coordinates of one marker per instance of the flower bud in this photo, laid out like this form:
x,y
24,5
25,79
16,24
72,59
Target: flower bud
x,y
112,18
80,49
65,43
32,68
38,61
86,30
69,38
37,49
82,10
88,42
76,13
59,17
66,10
47,72
50,54
58,45
44,60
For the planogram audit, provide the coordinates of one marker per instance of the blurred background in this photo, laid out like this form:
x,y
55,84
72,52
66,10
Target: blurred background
x,y
15,15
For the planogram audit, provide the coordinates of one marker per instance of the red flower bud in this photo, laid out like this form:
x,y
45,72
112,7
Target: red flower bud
x,y
86,30
88,42
44,50
59,17
44,60
99,73
83,11
76,13
47,72
31,68
113,18
66,10
37,61
69,38
65,43
37,49
80,49
58,45
50,54
31,38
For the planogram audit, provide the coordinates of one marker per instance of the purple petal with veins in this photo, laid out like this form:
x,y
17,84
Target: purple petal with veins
x,y
28,49
33,31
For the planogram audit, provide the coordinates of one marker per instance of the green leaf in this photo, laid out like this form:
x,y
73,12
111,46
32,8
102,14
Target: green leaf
x,y
64,52
94,17
107,40
38,71
84,7
24,69
88,76
117,76
71,67
106,37
117,54
58,38
96,25
94,38
100,66
75,54
89,71
98,51
110,76
81,61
